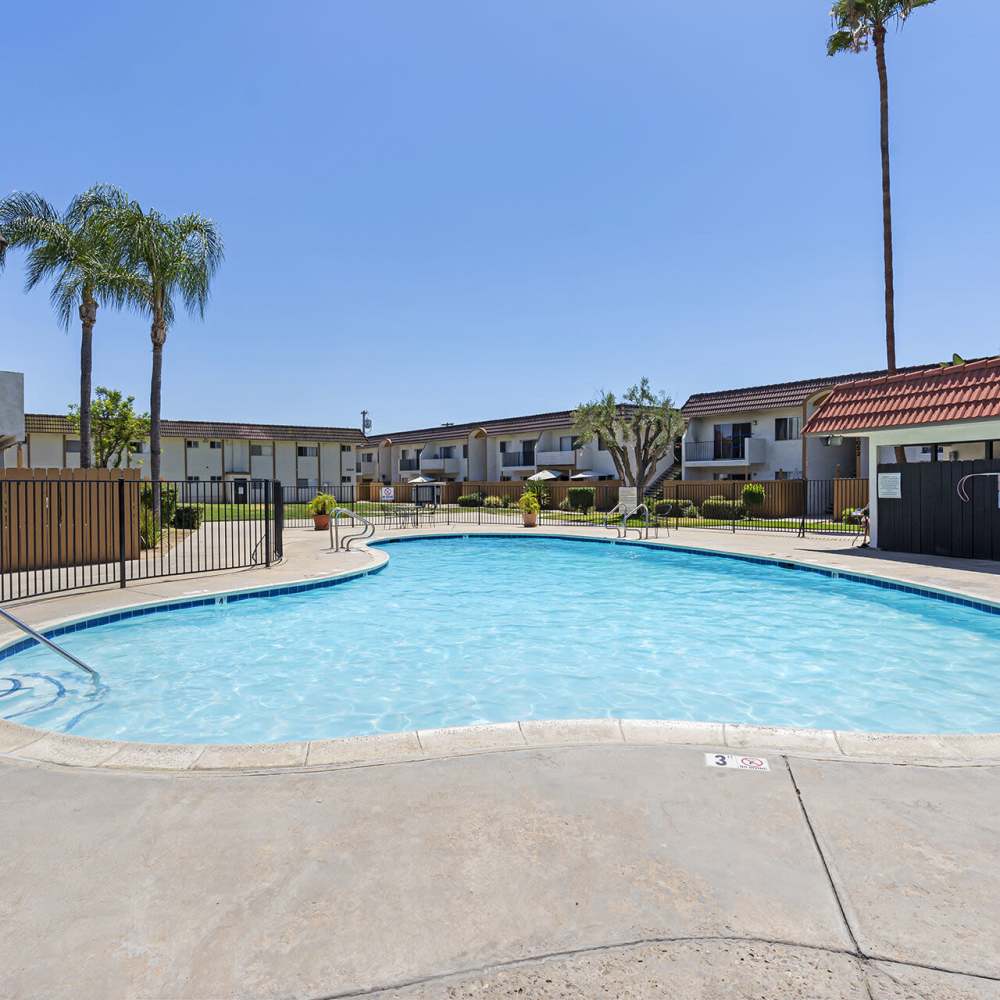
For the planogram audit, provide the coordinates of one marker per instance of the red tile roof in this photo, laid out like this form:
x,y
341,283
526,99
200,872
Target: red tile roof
x,y
909,399
772,397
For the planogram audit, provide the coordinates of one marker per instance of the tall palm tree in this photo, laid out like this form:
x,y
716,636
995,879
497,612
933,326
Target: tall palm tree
x,y
73,250
856,23
164,258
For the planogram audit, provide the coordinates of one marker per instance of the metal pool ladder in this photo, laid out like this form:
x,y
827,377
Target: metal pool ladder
x,y
45,641
622,529
338,543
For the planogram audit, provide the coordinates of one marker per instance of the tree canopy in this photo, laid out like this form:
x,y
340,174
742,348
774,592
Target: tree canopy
x,y
638,430
114,426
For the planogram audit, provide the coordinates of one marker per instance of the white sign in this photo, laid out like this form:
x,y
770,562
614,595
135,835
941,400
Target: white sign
x,y
388,494
737,762
890,485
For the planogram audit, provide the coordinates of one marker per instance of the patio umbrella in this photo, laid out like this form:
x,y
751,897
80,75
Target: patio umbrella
x,y
583,475
544,474
421,481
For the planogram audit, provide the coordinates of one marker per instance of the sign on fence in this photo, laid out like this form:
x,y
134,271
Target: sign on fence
x,y
629,496
890,486
387,494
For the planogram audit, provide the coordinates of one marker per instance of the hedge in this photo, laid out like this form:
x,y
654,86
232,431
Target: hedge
x,y
580,498
188,517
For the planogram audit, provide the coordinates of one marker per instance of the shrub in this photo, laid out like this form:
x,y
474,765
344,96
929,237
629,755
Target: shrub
x,y
528,502
721,509
168,501
470,500
675,508
564,504
580,498
849,515
149,530
322,503
753,495
188,517
493,502
539,491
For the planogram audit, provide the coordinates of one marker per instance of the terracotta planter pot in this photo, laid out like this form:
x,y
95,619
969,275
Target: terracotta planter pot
x,y
321,522
530,520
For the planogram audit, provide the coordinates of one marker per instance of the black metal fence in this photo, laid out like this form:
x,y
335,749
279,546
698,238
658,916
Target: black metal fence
x,y
830,506
814,506
60,534
64,534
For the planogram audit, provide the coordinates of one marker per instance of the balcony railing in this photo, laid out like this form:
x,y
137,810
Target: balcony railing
x,y
725,450
560,456
409,464
517,458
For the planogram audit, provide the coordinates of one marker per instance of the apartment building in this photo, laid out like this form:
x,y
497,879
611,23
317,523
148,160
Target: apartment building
x,y
199,451
756,433
507,449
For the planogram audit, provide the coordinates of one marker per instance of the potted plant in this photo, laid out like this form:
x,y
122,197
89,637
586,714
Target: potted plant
x,y
320,507
529,506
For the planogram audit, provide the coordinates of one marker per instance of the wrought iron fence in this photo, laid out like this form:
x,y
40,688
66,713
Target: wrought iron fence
x,y
814,506
65,534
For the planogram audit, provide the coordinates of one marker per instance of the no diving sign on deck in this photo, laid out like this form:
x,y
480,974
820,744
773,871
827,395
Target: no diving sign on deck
x,y
736,762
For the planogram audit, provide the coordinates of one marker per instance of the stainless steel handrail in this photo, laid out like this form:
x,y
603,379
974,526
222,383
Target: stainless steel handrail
x,y
335,540
45,641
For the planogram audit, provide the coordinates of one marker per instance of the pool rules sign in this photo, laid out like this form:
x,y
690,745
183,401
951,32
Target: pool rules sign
x,y
890,486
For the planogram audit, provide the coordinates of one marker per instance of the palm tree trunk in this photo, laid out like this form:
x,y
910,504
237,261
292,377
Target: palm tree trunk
x,y
88,317
890,305
158,335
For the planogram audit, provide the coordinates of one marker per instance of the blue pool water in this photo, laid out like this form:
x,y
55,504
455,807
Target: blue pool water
x,y
459,631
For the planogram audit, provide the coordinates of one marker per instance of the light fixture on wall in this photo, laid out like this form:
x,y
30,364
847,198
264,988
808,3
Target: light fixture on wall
x,y
833,441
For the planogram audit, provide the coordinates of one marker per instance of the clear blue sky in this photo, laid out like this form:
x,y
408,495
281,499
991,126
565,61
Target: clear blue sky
x,y
447,210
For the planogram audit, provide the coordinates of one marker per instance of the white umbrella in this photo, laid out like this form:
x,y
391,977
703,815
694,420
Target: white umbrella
x,y
544,474
583,475
421,481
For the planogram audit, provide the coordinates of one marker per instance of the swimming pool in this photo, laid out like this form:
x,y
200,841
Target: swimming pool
x,y
458,631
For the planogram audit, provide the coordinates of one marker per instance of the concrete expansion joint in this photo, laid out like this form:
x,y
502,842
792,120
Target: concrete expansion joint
x,y
865,961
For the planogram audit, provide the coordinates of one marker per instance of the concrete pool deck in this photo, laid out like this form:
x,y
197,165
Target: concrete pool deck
x,y
582,859
583,872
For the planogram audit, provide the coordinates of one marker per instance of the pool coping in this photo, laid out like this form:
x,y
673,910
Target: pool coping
x,y
29,744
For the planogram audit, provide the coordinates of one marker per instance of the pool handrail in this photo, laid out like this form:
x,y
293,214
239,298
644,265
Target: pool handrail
x,y
46,641
335,540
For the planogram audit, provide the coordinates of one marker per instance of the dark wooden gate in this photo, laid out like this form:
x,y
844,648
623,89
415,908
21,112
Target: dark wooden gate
x,y
931,519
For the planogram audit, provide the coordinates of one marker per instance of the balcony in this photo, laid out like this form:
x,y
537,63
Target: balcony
x,y
517,459
409,465
567,457
366,468
727,451
446,466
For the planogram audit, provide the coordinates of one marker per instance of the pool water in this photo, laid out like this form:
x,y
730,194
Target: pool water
x,y
467,630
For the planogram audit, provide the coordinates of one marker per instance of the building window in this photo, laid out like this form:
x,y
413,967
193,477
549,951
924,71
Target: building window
x,y
194,479
448,451
304,484
260,451
215,444
368,456
345,479
136,447
601,444
216,479
465,451
307,451
503,447
190,444
72,447
786,429
345,447
567,443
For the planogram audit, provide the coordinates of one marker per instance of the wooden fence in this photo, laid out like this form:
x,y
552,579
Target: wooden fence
x,y
605,491
51,518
